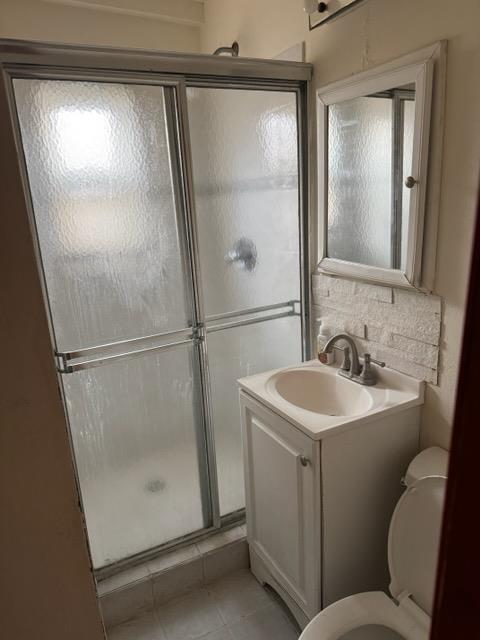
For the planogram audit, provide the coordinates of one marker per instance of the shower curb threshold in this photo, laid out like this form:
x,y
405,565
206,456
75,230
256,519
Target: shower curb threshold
x,y
157,580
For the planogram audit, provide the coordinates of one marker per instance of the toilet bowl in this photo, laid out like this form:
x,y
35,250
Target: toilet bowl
x,y
413,543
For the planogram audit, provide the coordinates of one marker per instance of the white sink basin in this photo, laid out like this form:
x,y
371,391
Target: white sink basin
x,y
317,400
317,391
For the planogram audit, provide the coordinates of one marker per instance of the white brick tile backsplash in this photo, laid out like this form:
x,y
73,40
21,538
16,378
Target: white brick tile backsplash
x,y
320,288
335,286
344,322
374,292
382,335
414,323
330,285
413,302
396,359
416,351
395,325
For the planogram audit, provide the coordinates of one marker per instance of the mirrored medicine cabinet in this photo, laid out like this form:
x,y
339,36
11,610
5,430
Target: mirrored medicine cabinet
x,y
374,133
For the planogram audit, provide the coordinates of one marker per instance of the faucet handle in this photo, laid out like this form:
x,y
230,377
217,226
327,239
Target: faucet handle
x,y
368,375
379,363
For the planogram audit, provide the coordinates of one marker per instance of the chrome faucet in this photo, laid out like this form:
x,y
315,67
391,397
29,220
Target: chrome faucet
x,y
351,367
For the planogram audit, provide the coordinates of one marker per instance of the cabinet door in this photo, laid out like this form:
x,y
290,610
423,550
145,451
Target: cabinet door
x,y
282,504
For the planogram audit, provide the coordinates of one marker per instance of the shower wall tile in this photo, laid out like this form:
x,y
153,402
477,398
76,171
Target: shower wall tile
x,y
397,326
135,574
122,604
172,574
173,559
226,560
221,539
177,580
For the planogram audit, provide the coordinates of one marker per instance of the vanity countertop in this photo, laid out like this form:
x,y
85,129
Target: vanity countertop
x,y
320,402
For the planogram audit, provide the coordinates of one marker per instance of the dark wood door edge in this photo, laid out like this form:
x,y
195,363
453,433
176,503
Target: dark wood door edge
x,y
456,614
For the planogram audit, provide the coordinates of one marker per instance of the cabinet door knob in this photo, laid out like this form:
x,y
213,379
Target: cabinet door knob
x,y
410,182
304,461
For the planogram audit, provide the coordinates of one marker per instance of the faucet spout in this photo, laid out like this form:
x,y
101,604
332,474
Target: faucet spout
x,y
355,366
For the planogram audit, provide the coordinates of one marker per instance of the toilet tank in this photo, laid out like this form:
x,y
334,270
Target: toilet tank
x,y
429,462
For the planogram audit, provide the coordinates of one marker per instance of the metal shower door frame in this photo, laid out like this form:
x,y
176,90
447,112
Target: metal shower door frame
x,y
300,90
98,355
208,323
45,61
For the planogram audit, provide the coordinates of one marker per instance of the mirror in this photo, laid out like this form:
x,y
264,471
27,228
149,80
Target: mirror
x,y
370,144
373,134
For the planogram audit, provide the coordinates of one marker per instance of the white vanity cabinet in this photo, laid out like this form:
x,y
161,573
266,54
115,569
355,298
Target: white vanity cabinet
x,y
318,508
283,499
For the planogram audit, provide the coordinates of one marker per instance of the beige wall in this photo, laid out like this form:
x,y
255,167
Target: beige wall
x,y
47,590
50,22
377,31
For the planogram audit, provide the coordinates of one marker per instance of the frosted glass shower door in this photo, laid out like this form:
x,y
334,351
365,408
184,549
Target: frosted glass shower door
x,y
101,183
156,306
246,180
101,166
139,451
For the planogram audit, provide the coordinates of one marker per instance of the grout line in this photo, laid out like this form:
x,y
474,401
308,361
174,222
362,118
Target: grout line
x,y
215,602
274,604
150,579
158,619
242,617
284,610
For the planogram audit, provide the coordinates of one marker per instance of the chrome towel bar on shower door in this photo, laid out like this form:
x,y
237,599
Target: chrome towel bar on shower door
x,y
252,310
71,361
247,321
81,359
290,305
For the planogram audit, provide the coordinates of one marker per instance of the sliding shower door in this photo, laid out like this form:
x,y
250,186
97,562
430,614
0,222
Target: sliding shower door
x,y
100,160
167,221
246,181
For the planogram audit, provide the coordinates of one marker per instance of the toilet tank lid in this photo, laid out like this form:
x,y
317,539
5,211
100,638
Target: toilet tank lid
x,y
429,462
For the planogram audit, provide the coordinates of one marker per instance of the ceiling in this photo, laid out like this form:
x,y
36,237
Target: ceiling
x,y
186,12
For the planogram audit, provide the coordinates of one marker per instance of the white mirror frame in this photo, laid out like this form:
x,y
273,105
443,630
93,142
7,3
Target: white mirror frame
x,y
417,68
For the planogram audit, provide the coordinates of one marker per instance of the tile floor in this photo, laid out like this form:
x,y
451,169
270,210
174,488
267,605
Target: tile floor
x,y
235,607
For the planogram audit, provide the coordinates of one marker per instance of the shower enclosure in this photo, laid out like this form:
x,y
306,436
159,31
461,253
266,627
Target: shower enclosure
x,y
168,204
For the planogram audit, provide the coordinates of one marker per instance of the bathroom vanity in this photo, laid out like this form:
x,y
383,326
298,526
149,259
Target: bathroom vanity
x,y
324,458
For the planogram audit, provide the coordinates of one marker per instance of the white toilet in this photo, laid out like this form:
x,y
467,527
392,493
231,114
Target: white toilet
x,y
413,543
